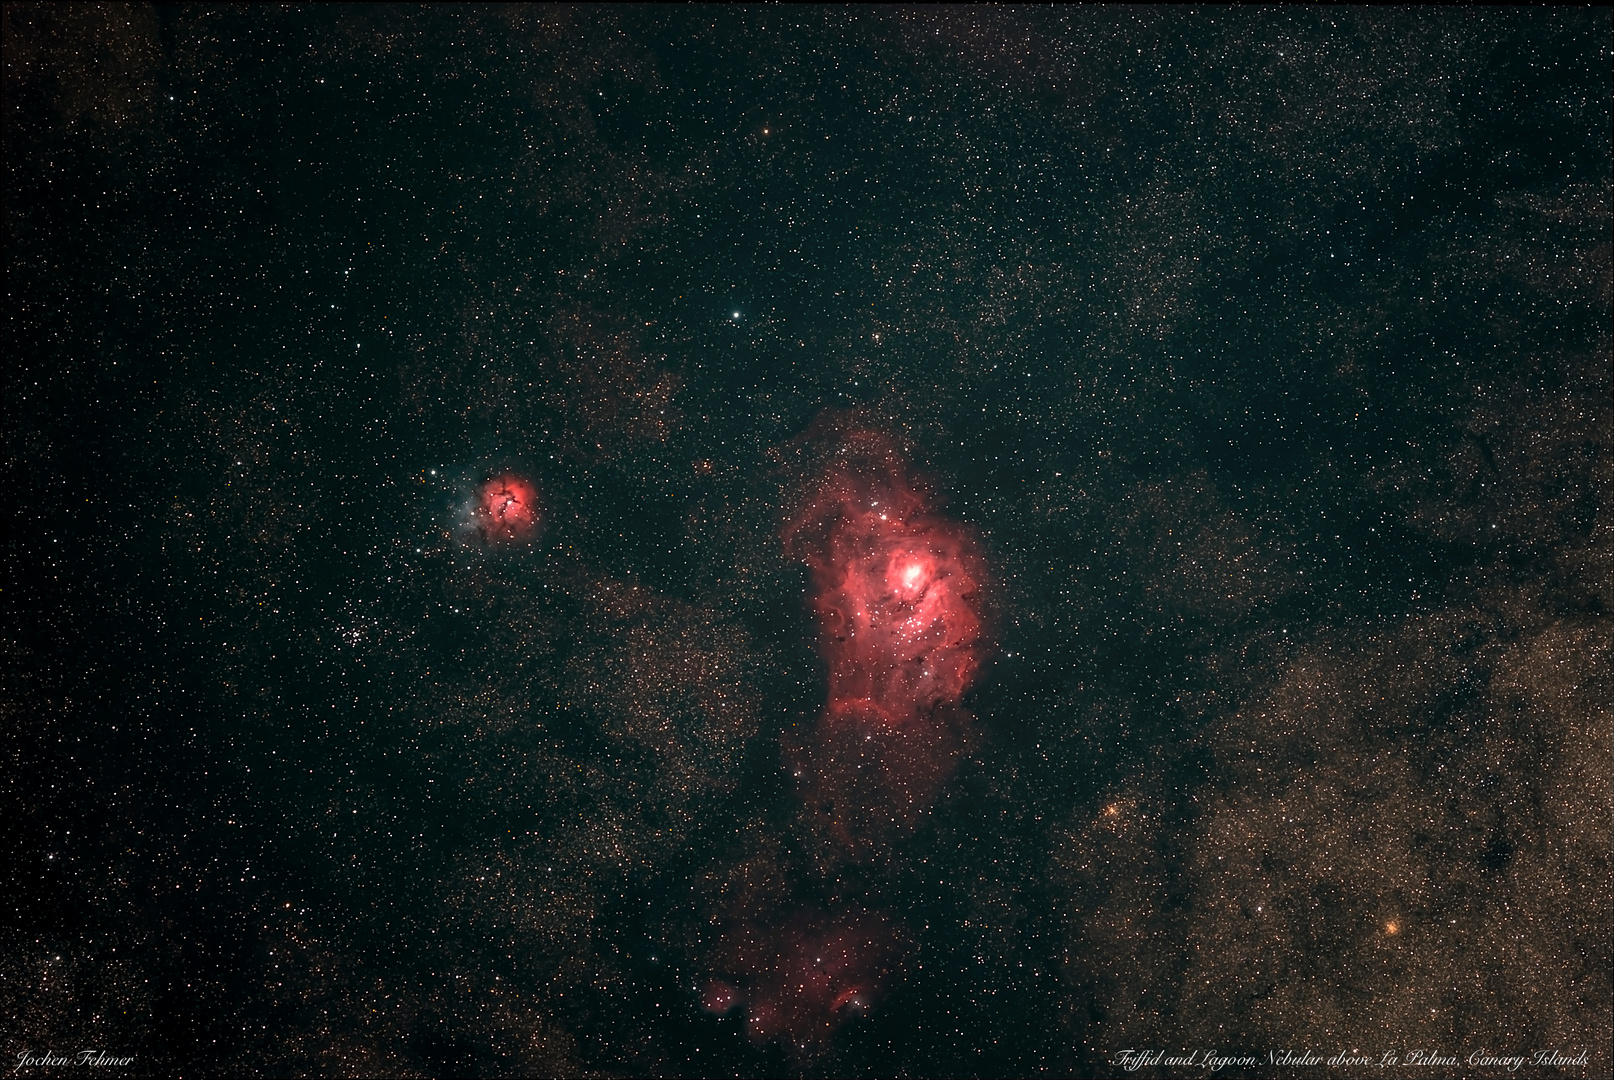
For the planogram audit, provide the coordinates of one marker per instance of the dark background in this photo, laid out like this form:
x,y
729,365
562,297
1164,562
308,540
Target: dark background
x,y
1268,352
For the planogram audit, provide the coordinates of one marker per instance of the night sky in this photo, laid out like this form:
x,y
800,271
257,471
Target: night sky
x,y
792,541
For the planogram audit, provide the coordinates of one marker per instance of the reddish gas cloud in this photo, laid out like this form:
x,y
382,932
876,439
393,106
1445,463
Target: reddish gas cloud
x,y
800,981
896,592
506,509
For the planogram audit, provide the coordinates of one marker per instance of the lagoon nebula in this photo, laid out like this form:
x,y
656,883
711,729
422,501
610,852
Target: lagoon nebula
x,y
896,595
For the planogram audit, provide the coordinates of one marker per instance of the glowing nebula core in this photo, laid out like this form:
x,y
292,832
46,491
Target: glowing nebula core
x,y
896,592
506,509
894,595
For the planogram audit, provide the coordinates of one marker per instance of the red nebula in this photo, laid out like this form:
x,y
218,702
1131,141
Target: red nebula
x,y
896,592
507,509
802,980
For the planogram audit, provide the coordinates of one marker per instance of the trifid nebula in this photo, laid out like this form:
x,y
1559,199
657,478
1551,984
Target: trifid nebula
x,y
775,541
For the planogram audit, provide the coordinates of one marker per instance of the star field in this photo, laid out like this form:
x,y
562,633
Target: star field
x,y
794,541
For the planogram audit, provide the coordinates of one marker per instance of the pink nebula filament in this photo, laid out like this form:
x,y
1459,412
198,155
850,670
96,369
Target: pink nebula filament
x,y
805,978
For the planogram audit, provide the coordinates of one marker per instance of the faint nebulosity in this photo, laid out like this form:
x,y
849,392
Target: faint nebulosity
x,y
802,541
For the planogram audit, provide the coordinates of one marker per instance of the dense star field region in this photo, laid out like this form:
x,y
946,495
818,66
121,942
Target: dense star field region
x,y
807,541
